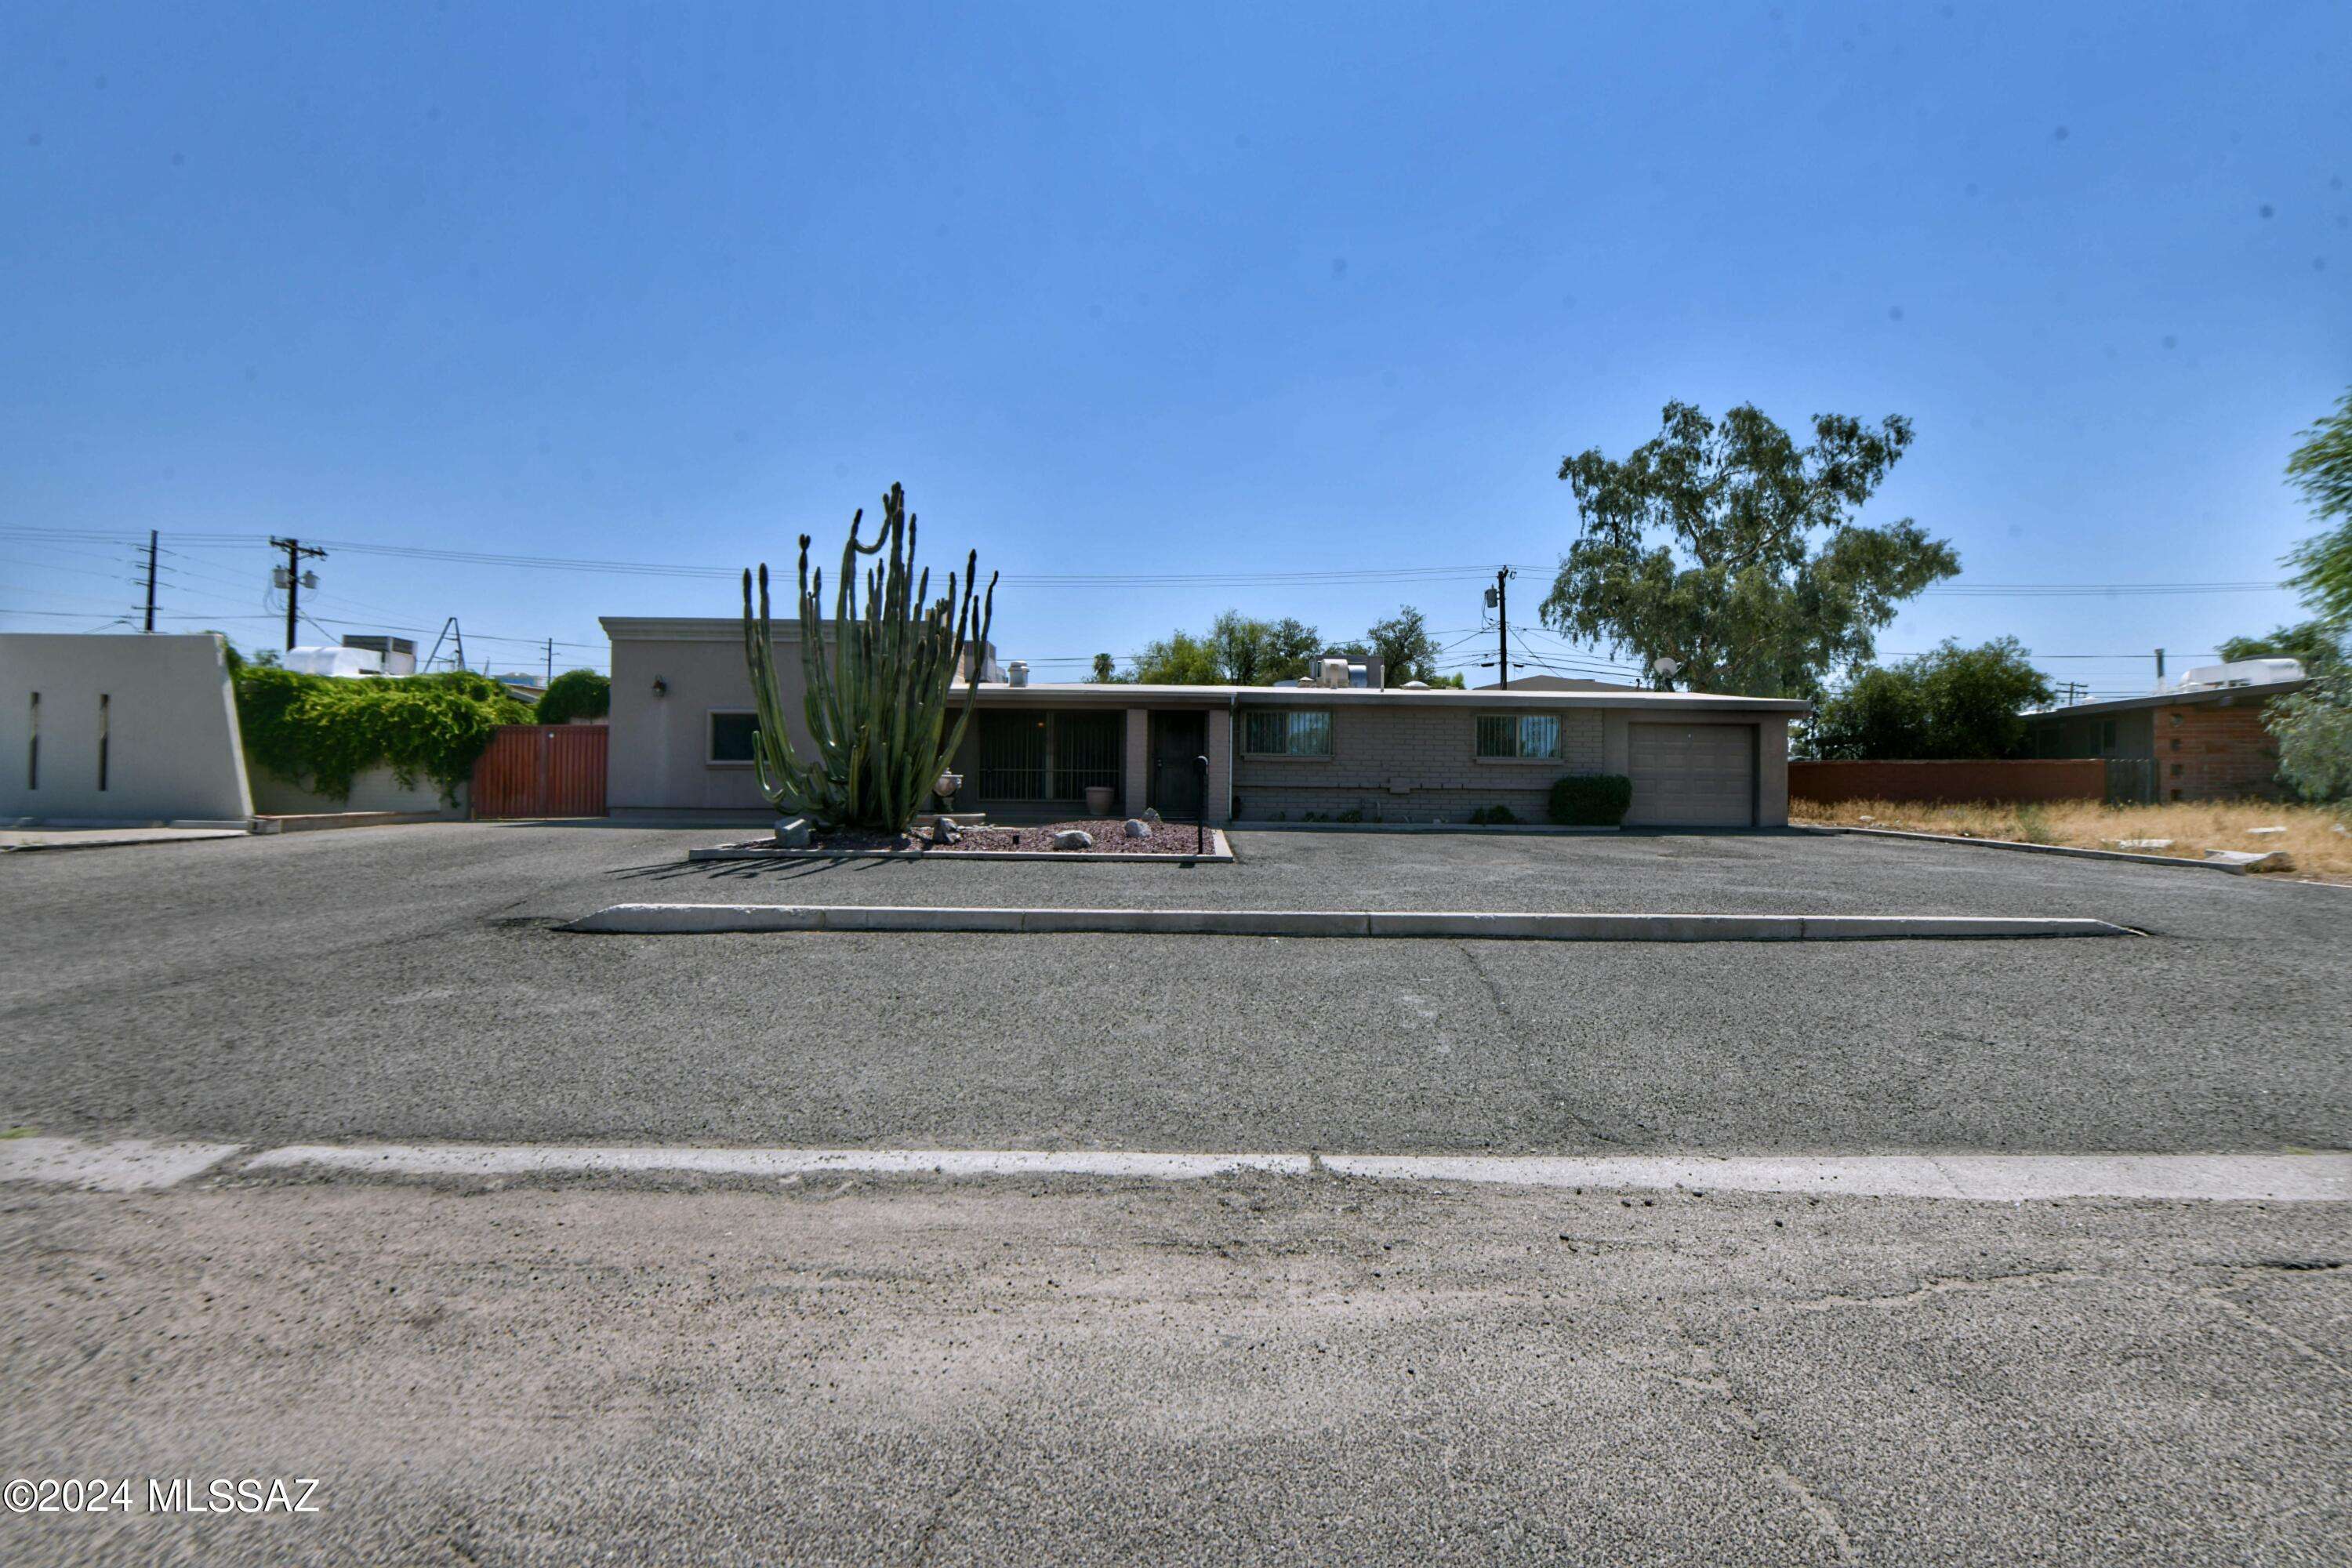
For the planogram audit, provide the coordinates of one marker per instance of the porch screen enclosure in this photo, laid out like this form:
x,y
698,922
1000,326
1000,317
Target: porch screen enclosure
x,y
1048,756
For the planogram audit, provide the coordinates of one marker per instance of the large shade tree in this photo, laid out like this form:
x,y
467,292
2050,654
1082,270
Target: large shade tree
x,y
1407,651
1953,702
1734,551
1237,650
2321,467
2314,726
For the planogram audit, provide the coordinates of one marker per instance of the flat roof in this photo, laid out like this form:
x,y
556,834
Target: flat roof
x,y
2214,696
1130,694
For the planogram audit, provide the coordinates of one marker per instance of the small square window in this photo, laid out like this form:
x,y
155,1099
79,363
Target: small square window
x,y
730,736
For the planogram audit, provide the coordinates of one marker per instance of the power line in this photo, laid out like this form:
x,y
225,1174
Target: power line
x,y
1100,579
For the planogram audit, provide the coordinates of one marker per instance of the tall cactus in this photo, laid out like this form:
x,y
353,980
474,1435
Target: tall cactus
x,y
878,703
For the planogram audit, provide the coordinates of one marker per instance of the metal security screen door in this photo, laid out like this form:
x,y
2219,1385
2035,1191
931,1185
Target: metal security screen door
x,y
1176,740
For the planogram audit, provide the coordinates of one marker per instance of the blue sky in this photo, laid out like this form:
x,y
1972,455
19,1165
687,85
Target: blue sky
x,y
1150,293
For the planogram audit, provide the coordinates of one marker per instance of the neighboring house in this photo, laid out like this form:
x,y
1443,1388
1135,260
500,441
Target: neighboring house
x,y
2201,740
682,722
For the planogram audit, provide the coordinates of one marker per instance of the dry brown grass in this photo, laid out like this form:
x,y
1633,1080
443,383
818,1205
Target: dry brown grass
x,y
2310,837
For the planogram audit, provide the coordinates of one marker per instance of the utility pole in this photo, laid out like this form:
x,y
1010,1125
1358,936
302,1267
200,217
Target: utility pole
x,y
550,665
295,552
150,579
1499,598
2159,666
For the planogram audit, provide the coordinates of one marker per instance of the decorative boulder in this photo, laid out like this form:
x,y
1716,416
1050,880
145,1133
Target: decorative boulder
x,y
791,833
1138,828
1151,813
1074,838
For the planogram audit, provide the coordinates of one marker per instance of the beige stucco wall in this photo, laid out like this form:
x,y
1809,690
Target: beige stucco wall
x,y
660,746
374,790
170,715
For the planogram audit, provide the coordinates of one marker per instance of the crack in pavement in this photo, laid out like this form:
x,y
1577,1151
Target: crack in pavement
x,y
2219,1296
1705,1377
1544,1092
926,1541
1947,1284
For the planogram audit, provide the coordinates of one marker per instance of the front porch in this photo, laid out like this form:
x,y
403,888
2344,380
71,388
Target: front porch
x,y
1031,760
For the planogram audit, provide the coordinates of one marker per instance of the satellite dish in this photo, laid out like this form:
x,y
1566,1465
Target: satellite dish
x,y
1666,665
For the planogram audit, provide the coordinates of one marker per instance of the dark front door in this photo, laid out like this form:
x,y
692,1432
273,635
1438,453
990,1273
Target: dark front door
x,y
1176,740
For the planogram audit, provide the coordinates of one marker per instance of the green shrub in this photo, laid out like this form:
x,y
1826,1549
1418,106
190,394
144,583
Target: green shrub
x,y
1353,814
318,732
1494,816
1590,800
574,694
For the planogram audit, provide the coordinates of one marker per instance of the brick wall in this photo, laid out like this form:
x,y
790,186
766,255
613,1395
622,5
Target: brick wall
x,y
1410,763
2000,783
2204,751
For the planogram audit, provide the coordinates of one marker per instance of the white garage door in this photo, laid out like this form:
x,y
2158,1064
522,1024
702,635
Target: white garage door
x,y
1693,775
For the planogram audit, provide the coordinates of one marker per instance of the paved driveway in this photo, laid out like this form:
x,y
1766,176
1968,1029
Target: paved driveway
x,y
401,983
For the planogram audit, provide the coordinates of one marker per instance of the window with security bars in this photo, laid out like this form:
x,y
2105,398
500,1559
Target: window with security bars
x,y
1529,736
1028,754
1297,733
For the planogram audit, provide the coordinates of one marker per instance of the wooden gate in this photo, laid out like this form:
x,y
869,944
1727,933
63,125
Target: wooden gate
x,y
541,770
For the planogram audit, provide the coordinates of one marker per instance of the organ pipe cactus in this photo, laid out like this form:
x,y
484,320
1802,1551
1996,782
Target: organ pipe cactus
x,y
876,703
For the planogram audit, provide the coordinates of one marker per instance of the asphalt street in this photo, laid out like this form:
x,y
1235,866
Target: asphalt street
x,y
1305,1368
1238,1371
402,983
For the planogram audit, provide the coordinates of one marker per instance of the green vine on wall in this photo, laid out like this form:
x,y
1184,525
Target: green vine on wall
x,y
318,732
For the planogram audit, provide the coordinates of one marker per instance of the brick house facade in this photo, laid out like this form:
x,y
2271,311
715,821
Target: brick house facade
x,y
2206,744
2210,752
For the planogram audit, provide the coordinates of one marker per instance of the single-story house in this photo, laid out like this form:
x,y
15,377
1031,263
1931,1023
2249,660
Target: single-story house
x,y
682,721
2201,741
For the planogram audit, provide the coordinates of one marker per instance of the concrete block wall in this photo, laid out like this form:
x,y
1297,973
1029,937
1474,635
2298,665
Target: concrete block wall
x,y
1999,783
132,728
2205,752
1412,764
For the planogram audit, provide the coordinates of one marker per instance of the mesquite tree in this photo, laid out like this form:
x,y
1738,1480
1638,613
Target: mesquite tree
x,y
876,701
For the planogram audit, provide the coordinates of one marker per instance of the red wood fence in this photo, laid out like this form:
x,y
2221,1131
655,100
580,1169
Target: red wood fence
x,y
543,770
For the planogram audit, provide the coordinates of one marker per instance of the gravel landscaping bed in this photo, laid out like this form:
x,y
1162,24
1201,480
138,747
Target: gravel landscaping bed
x,y
1110,839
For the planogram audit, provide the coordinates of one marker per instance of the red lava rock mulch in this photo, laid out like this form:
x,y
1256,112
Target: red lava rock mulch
x,y
1109,835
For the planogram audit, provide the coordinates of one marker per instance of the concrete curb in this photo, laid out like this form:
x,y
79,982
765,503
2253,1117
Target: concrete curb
x,y
321,821
125,839
1221,855
2036,848
1979,1178
126,1166
685,920
1536,829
